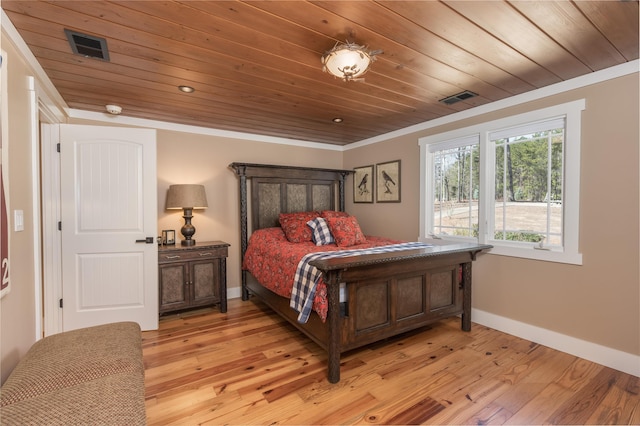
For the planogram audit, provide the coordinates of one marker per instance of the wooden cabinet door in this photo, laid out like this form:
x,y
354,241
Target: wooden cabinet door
x,y
174,288
205,282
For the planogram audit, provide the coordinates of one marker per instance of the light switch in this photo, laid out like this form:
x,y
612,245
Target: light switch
x,y
18,220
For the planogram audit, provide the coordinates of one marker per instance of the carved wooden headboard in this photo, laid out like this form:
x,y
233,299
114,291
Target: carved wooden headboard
x,y
285,189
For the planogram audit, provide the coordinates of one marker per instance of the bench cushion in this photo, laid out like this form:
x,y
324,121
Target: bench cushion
x,y
78,376
111,400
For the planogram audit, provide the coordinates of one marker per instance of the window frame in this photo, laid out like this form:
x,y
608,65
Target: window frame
x,y
569,252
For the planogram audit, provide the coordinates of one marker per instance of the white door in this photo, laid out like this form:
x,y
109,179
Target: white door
x,y
109,226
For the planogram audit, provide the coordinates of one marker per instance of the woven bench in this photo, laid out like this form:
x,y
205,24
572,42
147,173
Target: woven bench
x,y
93,375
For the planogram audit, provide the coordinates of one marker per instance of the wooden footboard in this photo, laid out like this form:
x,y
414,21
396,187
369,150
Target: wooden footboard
x,y
389,295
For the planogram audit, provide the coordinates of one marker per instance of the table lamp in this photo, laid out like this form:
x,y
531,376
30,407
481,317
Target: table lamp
x,y
187,197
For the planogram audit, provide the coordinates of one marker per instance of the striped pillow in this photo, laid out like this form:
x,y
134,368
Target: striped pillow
x,y
320,233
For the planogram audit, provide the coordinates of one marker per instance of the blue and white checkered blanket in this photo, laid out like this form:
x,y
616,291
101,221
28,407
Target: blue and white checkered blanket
x,y
307,276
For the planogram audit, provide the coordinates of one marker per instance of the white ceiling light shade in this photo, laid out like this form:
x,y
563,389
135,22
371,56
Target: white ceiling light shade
x,y
348,61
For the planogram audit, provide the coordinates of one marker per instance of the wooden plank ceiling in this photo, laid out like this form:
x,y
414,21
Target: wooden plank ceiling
x,y
255,65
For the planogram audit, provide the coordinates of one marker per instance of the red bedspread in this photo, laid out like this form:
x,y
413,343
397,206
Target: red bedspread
x,y
273,260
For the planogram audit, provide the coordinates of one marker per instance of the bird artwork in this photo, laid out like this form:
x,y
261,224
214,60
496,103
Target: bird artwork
x,y
387,180
362,186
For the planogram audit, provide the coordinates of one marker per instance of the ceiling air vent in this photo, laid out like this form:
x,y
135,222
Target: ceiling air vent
x,y
459,97
87,46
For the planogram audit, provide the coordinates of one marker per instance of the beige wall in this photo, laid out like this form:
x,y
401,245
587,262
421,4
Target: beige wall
x,y
17,308
597,302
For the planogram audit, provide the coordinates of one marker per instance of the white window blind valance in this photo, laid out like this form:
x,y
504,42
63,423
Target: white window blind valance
x,y
454,143
529,128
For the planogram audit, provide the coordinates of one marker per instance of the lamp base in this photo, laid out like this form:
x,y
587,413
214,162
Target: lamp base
x,y
188,229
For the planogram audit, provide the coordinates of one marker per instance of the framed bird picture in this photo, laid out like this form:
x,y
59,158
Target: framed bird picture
x,y
388,182
363,184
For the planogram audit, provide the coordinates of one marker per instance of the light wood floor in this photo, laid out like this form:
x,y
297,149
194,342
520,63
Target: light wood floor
x,y
249,367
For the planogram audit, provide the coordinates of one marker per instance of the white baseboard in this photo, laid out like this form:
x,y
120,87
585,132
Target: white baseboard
x,y
622,361
234,293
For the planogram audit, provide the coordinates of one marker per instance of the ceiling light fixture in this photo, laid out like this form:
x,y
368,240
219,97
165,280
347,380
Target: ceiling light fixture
x,y
186,89
348,61
337,120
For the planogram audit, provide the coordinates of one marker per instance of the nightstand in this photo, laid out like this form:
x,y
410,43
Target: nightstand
x,y
192,276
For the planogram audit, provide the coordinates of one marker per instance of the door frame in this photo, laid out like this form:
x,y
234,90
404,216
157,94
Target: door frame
x,y
51,235
49,248
35,103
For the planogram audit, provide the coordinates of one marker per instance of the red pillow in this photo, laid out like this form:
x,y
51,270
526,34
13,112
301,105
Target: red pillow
x,y
332,213
295,226
346,231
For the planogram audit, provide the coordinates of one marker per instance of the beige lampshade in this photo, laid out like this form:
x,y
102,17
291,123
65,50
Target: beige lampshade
x,y
186,196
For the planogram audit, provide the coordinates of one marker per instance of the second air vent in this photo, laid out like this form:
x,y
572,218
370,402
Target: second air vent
x,y
458,97
87,46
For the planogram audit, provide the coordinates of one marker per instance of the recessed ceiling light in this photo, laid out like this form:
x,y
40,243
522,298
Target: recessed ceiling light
x,y
113,109
337,120
186,89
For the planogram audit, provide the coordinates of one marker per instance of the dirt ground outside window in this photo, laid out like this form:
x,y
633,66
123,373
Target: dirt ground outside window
x,y
520,216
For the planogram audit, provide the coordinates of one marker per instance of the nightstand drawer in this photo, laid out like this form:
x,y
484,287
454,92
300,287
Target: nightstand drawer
x,y
192,254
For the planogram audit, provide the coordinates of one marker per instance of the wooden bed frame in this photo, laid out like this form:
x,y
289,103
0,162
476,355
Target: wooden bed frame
x,y
387,294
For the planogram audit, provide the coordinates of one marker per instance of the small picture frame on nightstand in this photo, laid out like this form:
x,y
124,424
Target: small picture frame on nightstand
x,y
168,237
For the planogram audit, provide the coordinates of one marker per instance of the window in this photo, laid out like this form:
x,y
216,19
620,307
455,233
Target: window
x,y
456,188
512,183
528,171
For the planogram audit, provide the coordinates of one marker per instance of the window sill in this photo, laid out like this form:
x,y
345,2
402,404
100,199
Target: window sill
x,y
521,252
535,254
